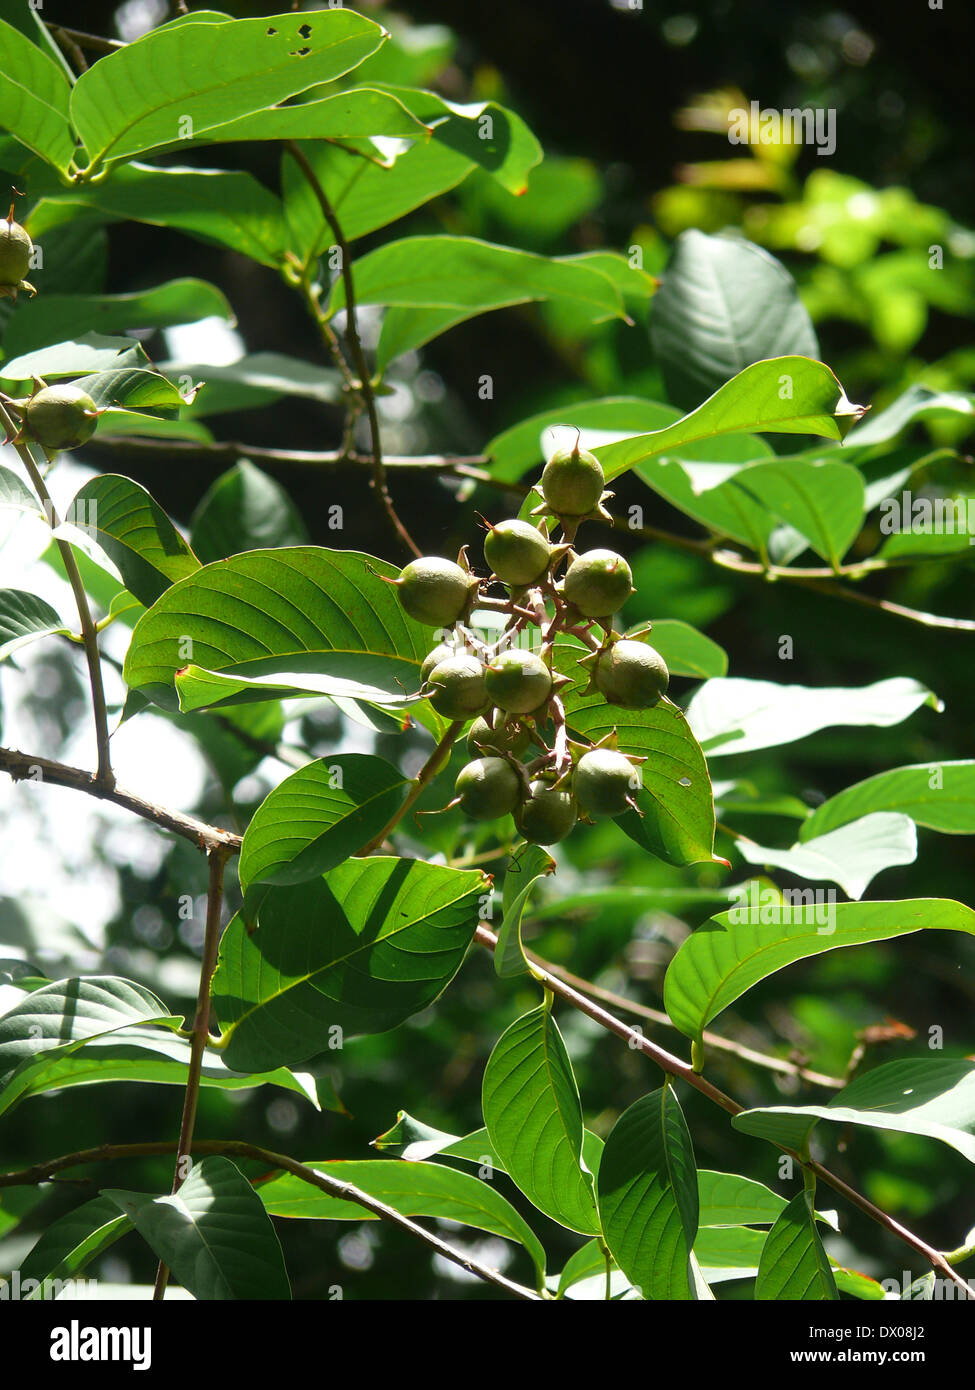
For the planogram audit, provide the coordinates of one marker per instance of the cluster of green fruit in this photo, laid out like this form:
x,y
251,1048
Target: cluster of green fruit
x,y
56,417
514,694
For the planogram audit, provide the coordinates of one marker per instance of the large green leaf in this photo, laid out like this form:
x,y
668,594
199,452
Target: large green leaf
x,y
244,510
736,949
517,449
412,1189
56,317
728,1199
852,855
735,715
823,501
70,1243
939,795
57,1018
214,1234
256,379
723,304
271,608
450,278
688,652
785,395
90,352
34,98
24,618
794,1265
534,1119
199,689
676,802
360,950
930,1096
648,1196
135,533
184,80
352,115
318,817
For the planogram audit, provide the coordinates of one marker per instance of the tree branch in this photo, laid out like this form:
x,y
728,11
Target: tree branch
x,y
27,766
315,1177
675,1066
366,392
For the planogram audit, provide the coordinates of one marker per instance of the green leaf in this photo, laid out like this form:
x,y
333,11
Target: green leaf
x,y
24,618
185,80
34,98
258,378
360,950
676,802
412,1189
457,277
69,1245
728,1199
786,395
824,502
416,1142
723,304
930,1096
91,352
228,207
588,1262
199,689
133,389
525,871
15,493
686,651
517,449
214,1234
56,317
318,817
917,403
734,715
355,114
730,1252
57,1018
135,533
794,1266
940,795
852,855
648,1196
534,1118
736,949
142,1054
272,608
244,509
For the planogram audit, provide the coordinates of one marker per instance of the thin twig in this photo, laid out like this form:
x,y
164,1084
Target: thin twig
x,y
32,767
104,776
95,42
315,1177
675,1066
426,775
200,1036
356,351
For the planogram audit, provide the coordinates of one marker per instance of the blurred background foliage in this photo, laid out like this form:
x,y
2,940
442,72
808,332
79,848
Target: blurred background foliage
x,y
631,109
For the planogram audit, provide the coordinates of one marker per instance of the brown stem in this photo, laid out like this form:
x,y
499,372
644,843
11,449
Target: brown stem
x,y
675,1066
356,352
200,1036
104,776
426,775
95,42
315,1177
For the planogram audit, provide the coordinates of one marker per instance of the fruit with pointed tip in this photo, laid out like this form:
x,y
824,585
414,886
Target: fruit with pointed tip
x,y
16,250
434,591
598,582
572,482
632,674
458,685
518,681
60,417
517,552
604,783
488,788
547,815
503,738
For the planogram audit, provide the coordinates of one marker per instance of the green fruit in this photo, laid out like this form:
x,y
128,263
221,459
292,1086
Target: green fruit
x,y
598,583
572,482
434,591
518,681
441,652
517,552
16,249
632,674
60,417
602,781
460,690
547,816
504,738
488,788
